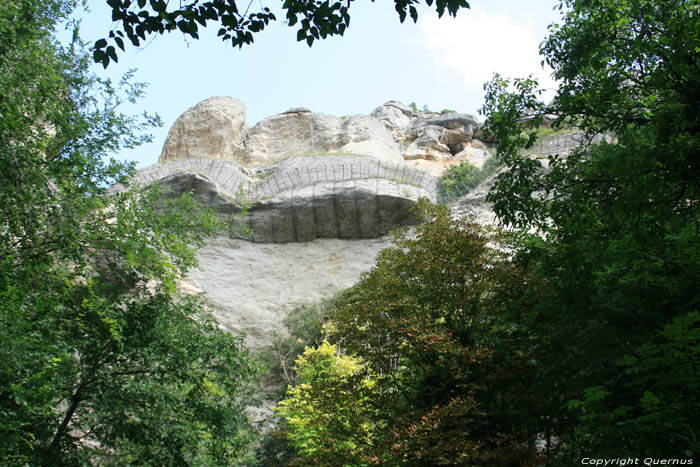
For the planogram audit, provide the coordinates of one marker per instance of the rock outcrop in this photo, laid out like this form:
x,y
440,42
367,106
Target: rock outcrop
x,y
392,133
297,210
432,141
303,198
323,193
212,129
251,286
301,132
215,129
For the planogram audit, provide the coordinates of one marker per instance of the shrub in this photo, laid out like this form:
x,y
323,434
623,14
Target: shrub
x,y
462,178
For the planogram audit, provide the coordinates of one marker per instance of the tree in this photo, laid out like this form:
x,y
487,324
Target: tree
x,y
616,224
136,20
426,324
304,323
101,361
328,415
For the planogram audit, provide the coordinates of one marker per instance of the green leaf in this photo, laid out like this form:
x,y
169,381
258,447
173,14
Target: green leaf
x,y
111,53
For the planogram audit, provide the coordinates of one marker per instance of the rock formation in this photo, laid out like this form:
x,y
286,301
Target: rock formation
x,y
433,141
213,129
251,286
301,132
324,192
392,133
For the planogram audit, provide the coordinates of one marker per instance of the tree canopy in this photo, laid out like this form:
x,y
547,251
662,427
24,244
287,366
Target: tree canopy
x,y
314,19
579,335
101,361
613,227
418,381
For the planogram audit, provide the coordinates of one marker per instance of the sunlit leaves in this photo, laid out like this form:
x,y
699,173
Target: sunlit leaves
x,y
328,413
424,318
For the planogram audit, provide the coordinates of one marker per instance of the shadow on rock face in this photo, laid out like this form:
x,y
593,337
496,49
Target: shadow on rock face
x,y
365,208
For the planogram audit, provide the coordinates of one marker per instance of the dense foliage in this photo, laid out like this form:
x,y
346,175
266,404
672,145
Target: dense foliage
x,y
305,328
418,333
582,341
616,226
100,362
329,414
136,20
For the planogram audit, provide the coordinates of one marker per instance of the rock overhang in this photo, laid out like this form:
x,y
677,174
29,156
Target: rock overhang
x,y
302,198
322,199
307,175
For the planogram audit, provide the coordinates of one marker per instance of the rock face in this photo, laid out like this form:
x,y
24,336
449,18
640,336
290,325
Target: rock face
x,y
430,140
475,206
303,198
251,286
395,116
392,133
323,193
351,209
345,210
215,129
212,129
301,132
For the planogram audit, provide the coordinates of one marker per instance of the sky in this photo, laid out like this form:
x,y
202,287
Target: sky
x,y
441,63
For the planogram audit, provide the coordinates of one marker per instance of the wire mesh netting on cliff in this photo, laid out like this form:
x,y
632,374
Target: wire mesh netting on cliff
x,y
302,171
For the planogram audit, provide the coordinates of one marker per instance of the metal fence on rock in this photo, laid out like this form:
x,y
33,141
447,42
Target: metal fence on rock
x,y
299,172
565,143
292,177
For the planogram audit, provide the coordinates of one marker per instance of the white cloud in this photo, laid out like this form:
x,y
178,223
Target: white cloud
x,y
474,46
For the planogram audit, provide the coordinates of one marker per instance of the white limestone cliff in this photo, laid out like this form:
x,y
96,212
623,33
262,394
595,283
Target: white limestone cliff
x,y
212,129
324,192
